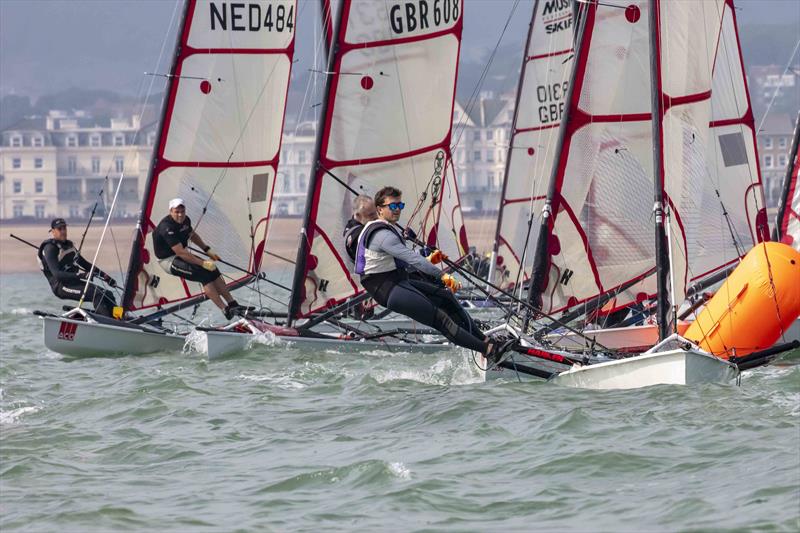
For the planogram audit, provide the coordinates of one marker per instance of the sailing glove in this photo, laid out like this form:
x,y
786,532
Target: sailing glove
x,y
437,257
451,283
209,265
212,254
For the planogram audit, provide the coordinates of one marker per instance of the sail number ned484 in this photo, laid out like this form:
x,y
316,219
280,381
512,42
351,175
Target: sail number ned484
x,y
247,16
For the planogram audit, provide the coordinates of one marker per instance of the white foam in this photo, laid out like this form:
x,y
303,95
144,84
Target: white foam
x,y
13,416
196,341
266,338
282,382
21,311
399,470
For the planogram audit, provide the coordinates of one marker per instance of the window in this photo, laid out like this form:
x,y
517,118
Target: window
x,y
16,163
119,140
781,161
39,210
96,165
38,186
782,142
74,211
476,135
490,156
301,156
489,135
18,210
151,138
767,142
302,183
38,163
119,164
476,155
16,141
287,183
768,161
72,165
94,140
38,141
17,186
72,141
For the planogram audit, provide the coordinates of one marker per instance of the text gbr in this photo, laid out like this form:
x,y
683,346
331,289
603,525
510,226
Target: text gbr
x,y
241,16
406,17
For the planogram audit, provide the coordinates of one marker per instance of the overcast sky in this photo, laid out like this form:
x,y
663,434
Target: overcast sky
x,y
48,45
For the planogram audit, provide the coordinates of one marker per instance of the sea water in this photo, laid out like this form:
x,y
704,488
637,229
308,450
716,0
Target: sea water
x,y
283,439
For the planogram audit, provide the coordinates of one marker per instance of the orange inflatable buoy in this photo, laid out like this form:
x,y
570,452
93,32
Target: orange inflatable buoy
x,y
754,307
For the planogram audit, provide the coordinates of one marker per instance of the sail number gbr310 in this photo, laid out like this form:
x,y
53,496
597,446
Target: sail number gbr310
x,y
406,17
249,16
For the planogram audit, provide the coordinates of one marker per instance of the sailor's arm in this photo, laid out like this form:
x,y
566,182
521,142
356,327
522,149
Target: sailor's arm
x,y
50,254
87,266
391,244
195,238
186,255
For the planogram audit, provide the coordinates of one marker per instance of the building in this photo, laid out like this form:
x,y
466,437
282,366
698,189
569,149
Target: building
x,y
774,145
480,139
65,163
294,169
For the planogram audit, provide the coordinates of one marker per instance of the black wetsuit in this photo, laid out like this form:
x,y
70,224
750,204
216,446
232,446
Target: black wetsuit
x,y
169,233
66,271
428,302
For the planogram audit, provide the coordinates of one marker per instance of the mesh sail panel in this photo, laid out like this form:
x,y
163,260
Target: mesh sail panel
x,y
389,115
219,139
541,100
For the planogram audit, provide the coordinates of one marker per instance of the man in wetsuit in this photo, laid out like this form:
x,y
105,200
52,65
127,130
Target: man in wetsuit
x,y
67,271
382,259
363,211
170,244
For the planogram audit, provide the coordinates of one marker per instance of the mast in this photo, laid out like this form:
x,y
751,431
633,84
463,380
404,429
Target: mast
x,y
662,261
496,245
541,262
158,149
786,199
298,280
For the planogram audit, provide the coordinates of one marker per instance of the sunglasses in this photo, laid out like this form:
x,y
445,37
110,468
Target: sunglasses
x,y
395,206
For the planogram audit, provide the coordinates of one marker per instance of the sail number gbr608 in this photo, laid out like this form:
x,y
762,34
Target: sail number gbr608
x,y
248,16
406,17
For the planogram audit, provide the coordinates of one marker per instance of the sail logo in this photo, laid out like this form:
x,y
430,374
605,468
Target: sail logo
x,y
557,16
241,16
421,15
66,331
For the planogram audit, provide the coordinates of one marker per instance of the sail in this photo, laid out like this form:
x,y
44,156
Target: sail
x,y
387,121
788,225
599,235
219,139
711,179
601,229
541,95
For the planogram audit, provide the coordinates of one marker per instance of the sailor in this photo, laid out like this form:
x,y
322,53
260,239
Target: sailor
x,y
170,244
67,271
364,211
382,259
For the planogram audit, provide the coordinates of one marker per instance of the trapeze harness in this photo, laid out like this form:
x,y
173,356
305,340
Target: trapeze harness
x,y
61,264
381,260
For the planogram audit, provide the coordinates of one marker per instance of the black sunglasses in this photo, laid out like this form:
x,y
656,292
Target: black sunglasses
x,y
395,205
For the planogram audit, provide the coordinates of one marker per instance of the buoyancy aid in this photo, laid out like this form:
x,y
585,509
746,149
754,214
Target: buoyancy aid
x,y
369,262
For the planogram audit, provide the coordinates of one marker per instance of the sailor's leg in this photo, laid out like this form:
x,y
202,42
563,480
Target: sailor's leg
x,y
103,302
222,289
410,301
213,294
446,301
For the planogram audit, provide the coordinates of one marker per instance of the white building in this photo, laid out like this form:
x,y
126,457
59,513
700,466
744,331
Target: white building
x,y
62,164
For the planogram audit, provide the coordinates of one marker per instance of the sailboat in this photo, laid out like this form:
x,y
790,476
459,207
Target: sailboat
x,y
217,147
386,119
669,72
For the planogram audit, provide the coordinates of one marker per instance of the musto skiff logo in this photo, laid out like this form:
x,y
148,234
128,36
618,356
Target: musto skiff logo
x,y
66,332
557,16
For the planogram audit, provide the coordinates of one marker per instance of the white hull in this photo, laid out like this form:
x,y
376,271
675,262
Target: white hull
x,y
220,343
78,338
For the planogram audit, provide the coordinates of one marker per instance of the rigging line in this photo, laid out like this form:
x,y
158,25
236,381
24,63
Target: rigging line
x,y
475,92
778,88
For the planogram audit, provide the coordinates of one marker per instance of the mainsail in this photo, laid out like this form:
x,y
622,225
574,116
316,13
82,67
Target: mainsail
x,y
599,236
788,226
219,139
387,121
541,94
